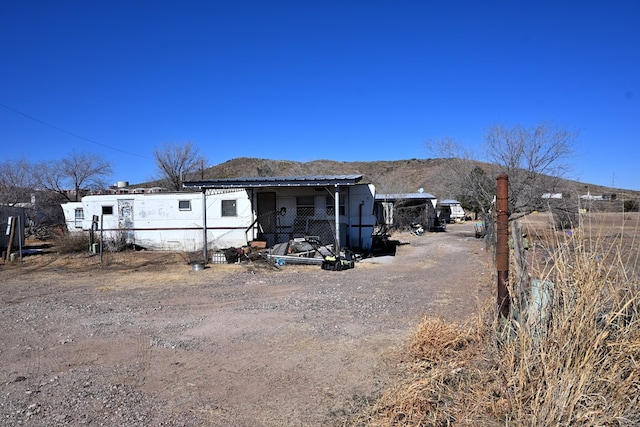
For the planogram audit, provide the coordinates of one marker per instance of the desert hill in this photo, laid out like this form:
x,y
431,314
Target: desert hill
x,y
389,176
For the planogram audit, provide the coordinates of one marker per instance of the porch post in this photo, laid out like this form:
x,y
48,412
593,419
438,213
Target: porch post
x,y
204,226
336,201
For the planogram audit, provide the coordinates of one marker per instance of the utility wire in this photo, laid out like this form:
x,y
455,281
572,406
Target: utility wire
x,y
70,133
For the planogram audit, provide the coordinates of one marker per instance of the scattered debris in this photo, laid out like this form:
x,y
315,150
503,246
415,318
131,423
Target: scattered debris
x,y
306,250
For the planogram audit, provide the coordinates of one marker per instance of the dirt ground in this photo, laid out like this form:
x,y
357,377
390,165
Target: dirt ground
x,y
143,340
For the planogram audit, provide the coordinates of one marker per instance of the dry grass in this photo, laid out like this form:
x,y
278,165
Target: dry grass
x,y
572,359
578,366
448,381
436,340
72,243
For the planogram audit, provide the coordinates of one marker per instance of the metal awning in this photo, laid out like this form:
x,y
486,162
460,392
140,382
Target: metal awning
x,y
275,181
404,196
334,181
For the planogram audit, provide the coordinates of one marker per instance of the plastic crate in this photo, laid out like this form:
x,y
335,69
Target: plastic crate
x,y
218,258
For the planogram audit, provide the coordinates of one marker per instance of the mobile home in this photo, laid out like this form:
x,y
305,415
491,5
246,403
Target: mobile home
x,y
336,209
165,221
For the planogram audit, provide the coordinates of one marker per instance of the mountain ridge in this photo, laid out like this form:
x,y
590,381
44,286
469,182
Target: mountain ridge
x,y
388,176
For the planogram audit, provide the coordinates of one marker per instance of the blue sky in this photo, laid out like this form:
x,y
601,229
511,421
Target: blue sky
x,y
348,80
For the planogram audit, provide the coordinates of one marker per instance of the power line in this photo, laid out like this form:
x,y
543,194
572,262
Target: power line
x,y
70,133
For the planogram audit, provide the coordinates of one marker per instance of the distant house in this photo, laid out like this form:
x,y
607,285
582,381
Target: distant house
x,y
592,197
547,196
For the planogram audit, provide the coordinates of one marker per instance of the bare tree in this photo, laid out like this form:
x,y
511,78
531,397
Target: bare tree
x,y
464,179
477,196
177,162
535,159
16,182
73,175
30,183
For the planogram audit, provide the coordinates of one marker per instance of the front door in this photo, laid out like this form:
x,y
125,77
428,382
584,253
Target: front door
x,y
267,217
125,219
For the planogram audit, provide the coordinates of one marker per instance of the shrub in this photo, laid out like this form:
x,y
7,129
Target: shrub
x,y
117,242
72,243
631,206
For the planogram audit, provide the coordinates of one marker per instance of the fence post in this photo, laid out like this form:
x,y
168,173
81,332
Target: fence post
x,y
502,245
12,233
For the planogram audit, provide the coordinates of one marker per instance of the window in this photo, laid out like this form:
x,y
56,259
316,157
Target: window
x,y
229,208
331,205
305,206
184,205
107,210
79,216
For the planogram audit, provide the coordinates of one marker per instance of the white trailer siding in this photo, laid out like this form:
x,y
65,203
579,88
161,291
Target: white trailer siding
x,y
73,216
167,221
362,219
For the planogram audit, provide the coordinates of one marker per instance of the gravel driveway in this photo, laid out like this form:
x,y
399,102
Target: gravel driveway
x,y
145,341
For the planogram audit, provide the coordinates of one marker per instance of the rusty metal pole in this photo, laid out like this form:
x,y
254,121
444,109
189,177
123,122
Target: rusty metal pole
x,y
502,244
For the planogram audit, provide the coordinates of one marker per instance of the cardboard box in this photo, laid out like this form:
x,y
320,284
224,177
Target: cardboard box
x,y
258,244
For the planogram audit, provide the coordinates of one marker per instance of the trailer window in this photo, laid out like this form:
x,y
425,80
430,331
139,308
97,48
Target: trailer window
x,y
331,206
107,210
305,206
184,205
79,216
229,208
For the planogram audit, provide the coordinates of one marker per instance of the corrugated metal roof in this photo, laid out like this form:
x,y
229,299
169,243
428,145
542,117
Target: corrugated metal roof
x,y
405,196
276,181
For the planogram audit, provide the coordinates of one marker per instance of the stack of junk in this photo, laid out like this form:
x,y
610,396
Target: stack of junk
x,y
307,250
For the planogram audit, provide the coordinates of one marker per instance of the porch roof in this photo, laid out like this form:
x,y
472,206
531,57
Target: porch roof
x,y
275,181
405,196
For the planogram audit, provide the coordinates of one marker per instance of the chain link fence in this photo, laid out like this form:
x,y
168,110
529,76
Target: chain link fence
x,y
282,226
